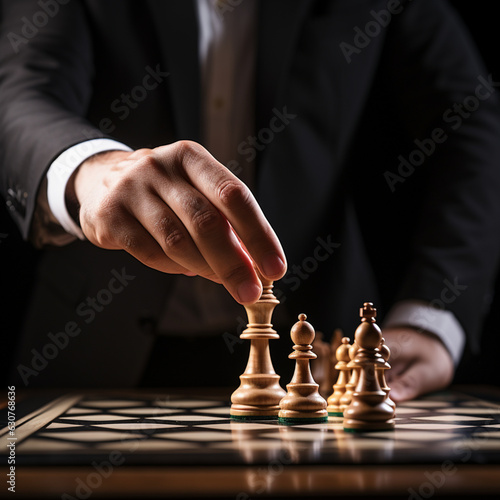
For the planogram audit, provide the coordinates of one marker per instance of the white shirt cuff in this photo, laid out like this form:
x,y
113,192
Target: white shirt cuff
x,y
421,315
61,170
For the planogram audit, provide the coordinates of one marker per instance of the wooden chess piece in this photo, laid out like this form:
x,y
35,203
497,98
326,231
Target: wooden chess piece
x,y
368,410
259,393
346,398
335,342
386,354
321,367
325,386
342,356
302,403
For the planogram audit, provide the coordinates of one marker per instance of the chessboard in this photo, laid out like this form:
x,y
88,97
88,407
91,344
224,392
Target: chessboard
x,y
450,436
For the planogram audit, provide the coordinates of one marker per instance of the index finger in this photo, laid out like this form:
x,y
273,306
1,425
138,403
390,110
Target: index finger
x,y
238,205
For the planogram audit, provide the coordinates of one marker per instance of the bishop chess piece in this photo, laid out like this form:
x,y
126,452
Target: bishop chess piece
x,y
386,354
368,410
259,393
342,356
302,403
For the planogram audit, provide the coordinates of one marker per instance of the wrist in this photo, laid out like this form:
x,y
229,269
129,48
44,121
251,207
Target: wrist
x,y
72,203
62,169
89,174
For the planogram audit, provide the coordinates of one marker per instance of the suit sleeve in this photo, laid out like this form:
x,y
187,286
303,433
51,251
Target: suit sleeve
x,y
449,104
46,72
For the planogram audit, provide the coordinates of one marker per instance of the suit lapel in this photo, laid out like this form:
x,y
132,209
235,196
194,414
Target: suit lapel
x,y
279,25
177,31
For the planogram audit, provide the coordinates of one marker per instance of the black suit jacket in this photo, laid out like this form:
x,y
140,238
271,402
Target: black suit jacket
x,y
368,92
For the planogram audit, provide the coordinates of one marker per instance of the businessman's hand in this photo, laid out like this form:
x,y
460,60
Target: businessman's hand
x,y
420,363
177,209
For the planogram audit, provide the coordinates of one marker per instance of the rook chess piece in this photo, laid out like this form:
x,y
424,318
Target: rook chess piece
x,y
259,393
368,409
342,356
303,403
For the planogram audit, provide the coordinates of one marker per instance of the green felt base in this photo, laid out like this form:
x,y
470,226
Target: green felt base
x,y
247,418
346,429
293,421
335,413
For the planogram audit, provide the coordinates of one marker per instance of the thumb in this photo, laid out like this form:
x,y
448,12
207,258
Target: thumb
x,y
404,389
418,379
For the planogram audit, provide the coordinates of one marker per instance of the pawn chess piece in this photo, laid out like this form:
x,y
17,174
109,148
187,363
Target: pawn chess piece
x,y
342,356
321,368
346,398
303,403
368,410
386,354
259,393
333,373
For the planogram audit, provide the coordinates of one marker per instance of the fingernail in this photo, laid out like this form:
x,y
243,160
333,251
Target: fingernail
x,y
394,393
272,265
248,292
398,394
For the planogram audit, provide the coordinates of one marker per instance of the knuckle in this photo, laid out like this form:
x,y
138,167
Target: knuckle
x,y
205,218
104,236
129,242
206,221
187,149
136,176
109,212
149,163
231,192
174,238
125,184
141,152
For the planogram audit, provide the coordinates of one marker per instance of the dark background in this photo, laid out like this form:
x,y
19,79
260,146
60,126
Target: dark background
x,y
18,259
483,25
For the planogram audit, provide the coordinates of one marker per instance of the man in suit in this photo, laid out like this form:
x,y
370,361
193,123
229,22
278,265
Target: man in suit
x,y
367,132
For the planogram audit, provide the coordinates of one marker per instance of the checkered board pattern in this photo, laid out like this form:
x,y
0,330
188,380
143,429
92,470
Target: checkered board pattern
x,y
157,429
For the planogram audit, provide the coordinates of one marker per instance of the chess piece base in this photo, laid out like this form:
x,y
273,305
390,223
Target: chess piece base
x,y
291,417
335,413
362,416
351,425
243,412
254,389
